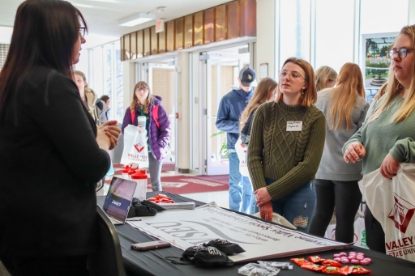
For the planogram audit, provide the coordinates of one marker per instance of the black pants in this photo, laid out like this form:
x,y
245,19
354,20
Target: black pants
x,y
342,196
375,237
38,266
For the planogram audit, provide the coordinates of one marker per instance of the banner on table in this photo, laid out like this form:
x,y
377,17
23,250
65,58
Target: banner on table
x,y
261,240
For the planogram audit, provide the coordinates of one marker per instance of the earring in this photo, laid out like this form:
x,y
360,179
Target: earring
x,y
303,92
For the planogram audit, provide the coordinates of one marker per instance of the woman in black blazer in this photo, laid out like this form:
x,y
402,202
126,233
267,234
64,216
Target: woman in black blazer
x,y
51,152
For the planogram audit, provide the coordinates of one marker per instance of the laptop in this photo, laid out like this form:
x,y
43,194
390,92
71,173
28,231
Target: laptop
x,y
118,200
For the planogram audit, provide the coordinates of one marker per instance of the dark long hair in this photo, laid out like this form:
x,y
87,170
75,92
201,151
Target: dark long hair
x,y
44,33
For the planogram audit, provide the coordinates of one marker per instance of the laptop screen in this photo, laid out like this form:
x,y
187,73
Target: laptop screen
x,y
119,197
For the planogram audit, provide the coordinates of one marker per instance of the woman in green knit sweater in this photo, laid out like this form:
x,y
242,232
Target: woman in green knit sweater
x,y
388,136
286,145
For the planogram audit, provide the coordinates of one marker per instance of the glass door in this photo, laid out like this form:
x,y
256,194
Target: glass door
x,y
161,77
218,75
162,80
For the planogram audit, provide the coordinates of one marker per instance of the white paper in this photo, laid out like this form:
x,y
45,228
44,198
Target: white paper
x,y
260,240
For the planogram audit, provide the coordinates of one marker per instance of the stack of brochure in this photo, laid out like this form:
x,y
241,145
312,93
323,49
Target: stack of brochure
x,y
178,205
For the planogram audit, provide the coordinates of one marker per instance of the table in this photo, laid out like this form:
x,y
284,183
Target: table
x,y
154,263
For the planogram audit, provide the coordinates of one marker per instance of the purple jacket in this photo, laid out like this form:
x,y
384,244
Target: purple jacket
x,y
158,137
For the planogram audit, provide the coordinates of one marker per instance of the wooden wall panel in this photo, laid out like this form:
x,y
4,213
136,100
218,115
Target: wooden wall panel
x,y
147,42
162,40
220,23
248,18
198,30
140,44
154,41
233,19
188,31
127,46
228,21
179,30
133,43
170,36
122,55
209,26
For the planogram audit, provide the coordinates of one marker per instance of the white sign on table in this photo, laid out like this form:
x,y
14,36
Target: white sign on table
x,y
260,240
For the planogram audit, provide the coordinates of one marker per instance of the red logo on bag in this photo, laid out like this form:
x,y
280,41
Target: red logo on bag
x,y
401,213
138,148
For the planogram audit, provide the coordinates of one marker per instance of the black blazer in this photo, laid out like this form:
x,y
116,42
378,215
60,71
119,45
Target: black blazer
x,y
49,165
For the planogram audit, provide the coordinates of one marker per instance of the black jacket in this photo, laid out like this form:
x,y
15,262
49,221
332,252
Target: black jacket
x,y
49,164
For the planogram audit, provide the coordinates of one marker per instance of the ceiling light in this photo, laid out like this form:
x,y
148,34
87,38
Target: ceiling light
x,y
136,19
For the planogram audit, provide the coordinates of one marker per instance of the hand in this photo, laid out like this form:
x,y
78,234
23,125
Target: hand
x,y
389,167
104,142
266,211
112,131
262,196
354,152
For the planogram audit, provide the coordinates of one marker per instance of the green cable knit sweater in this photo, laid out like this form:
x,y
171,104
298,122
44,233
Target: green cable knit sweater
x,y
290,157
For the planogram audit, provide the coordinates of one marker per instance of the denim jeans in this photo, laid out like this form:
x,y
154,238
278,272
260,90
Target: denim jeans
x,y
298,206
240,187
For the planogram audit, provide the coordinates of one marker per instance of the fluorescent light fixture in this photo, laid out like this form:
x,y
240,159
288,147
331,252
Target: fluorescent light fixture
x,y
136,19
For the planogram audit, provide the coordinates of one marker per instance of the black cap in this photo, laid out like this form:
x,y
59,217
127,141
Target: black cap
x,y
247,76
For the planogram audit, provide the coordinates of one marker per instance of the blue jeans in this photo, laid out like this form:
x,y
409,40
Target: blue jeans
x,y
298,206
240,188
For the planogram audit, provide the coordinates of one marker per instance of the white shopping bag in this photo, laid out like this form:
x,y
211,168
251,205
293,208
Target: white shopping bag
x,y
135,147
392,203
359,238
241,152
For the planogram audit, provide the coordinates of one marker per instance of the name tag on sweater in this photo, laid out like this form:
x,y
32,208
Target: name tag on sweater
x,y
294,125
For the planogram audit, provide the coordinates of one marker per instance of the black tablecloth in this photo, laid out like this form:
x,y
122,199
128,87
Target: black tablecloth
x,y
154,263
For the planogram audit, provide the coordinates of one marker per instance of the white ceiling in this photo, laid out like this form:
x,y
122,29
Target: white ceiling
x,y
102,15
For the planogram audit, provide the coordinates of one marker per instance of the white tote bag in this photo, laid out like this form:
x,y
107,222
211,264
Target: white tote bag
x,y
392,203
241,150
135,147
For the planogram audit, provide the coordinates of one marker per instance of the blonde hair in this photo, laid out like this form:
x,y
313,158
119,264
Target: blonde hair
x,y
262,94
349,87
381,92
310,93
393,87
135,101
323,74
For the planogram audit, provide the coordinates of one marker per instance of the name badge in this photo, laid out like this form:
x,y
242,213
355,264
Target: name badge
x,y
294,125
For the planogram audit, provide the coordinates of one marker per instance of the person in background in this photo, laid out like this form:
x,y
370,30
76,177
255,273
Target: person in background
x,y
51,152
388,136
102,107
87,94
227,120
325,78
286,145
337,189
157,126
264,92
80,80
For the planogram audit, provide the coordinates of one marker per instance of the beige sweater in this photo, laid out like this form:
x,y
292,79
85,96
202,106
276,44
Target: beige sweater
x,y
290,157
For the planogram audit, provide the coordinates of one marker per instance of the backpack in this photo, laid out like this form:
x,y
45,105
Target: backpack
x,y
154,115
